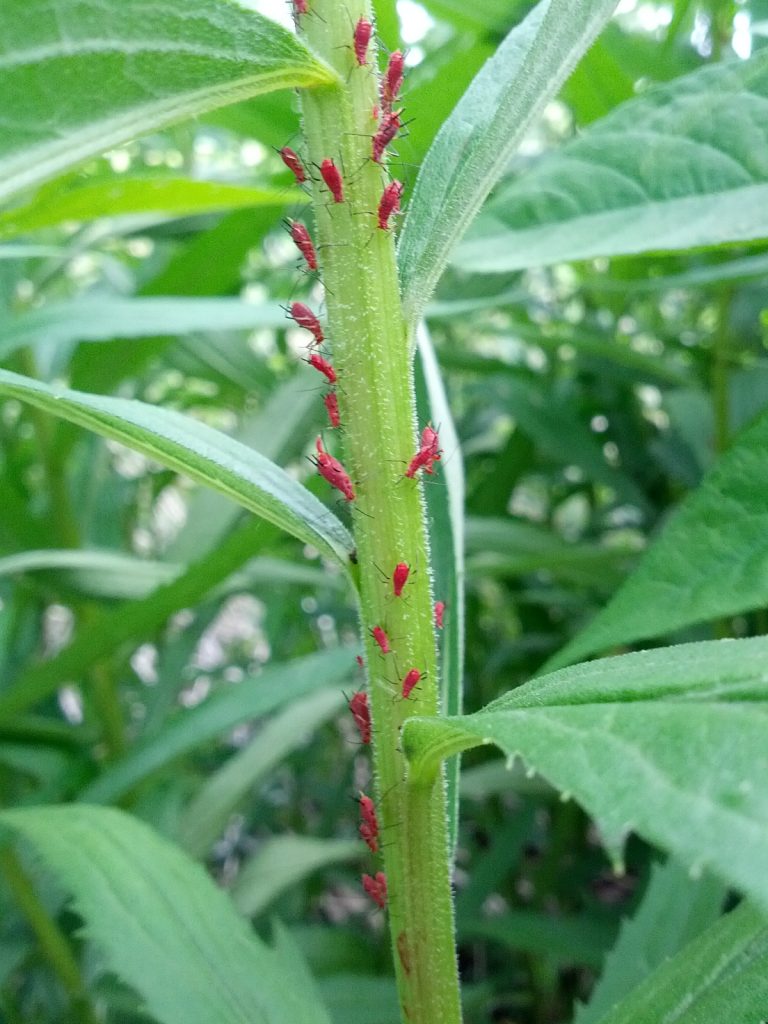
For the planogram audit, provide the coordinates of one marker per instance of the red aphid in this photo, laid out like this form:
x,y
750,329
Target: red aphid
x,y
362,37
413,678
392,80
293,162
439,613
430,442
332,178
333,471
428,454
323,366
369,826
376,888
400,577
303,242
300,7
332,405
305,318
359,660
358,705
389,204
381,639
389,126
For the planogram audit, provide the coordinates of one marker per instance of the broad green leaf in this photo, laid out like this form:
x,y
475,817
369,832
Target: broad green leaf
x,y
82,77
207,814
162,925
282,862
119,196
474,145
675,909
275,686
102,319
445,509
671,744
107,634
117,576
710,560
682,165
204,454
721,976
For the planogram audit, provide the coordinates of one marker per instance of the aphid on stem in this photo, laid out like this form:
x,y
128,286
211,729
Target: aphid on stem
x,y
331,402
361,713
305,318
439,613
323,366
332,178
303,243
333,471
300,7
376,888
392,80
403,952
400,578
412,679
389,204
428,454
369,826
381,639
389,126
293,162
361,39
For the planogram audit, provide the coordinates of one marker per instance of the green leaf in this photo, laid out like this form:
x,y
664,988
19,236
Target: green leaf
x,y
671,744
282,862
445,509
117,576
721,976
696,570
682,165
102,319
277,685
83,77
675,909
119,196
474,146
161,923
204,454
207,814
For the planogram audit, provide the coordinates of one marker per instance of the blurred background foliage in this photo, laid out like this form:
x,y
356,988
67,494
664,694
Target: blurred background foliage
x,y
589,399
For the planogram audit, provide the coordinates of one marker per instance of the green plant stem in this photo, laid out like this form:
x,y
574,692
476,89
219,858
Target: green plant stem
x,y
52,942
720,368
373,360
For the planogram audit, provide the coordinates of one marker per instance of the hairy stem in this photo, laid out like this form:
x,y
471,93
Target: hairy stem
x,y
372,357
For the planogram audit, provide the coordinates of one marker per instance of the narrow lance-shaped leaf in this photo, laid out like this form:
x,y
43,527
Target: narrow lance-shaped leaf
x,y
682,165
474,145
202,453
671,744
696,570
80,77
121,196
163,926
445,507
105,318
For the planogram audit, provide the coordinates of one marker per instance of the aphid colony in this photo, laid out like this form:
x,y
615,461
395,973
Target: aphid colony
x,y
388,125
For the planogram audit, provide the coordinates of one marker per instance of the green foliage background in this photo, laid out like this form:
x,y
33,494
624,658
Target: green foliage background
x,y
600,333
